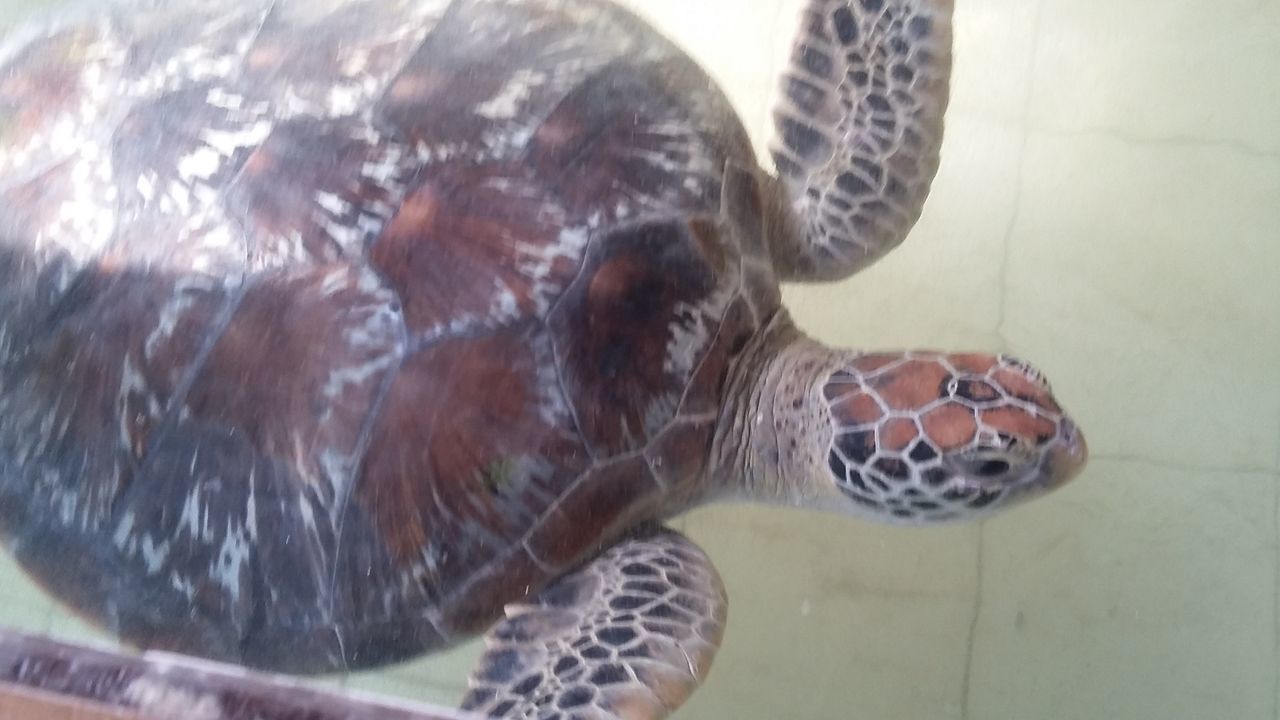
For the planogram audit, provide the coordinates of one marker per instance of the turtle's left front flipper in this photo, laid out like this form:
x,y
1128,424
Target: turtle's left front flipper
x,y
628,635
859,126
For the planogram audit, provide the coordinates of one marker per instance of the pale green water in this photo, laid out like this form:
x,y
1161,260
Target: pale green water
x,y
1108,207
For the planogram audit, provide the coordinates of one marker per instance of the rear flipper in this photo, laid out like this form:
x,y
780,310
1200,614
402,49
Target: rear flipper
x,y
629,635
858,127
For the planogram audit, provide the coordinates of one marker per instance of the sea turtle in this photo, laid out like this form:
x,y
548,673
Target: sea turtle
x,y
333,332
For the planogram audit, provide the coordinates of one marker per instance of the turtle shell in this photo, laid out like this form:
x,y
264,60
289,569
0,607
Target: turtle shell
x,y
328,328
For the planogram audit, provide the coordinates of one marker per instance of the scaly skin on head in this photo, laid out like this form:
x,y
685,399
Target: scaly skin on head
x,y
909,437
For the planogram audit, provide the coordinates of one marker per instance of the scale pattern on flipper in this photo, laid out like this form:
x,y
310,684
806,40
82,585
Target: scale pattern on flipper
x,y
630,634
858,127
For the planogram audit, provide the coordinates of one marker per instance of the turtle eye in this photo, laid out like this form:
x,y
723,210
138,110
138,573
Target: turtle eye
x,y
990,467
949,387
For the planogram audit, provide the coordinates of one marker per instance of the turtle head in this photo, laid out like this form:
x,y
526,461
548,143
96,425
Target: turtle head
x,y
924,437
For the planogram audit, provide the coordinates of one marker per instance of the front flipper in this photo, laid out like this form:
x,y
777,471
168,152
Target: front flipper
x,y
628,635
858,127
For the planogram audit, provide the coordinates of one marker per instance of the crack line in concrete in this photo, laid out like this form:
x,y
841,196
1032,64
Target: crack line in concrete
x,y
1136,459
1180,141
974,619
1003,307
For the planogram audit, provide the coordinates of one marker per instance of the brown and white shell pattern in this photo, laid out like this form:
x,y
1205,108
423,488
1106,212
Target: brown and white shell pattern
x,y
327,328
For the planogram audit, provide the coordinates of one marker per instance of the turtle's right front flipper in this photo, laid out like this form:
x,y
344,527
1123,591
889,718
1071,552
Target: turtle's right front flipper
x,y
858,127
628,635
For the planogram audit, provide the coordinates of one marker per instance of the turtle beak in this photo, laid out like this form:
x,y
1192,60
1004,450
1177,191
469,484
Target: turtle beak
x,y
1068,457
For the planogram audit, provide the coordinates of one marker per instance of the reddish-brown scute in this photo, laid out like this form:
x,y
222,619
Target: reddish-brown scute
x,y
744,207
679,456
614,328
441,92
853,408
43,82
462,247
950,426
315,348
608,500
910,386
378,40
648,159
36,204
897,434
333,160
470,448
170,127
706,392
73,381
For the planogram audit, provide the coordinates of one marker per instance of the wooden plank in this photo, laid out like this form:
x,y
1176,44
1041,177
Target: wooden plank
x,y
39,675
17,702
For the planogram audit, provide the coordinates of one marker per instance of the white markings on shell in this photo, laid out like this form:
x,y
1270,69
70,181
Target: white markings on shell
x,y
205,56
197,525
347,99
538,263
339,100
132,542
228,142
690,333
220,98
68,132
552,407
193,191
207,240
355,64
349,222
370,335
199,165
132,383
141,545
194,518
386,171
332,203
207,243
364,68
430,154
234,555
373,334
186,290
86,218
146,187
348,236
680,155
508,102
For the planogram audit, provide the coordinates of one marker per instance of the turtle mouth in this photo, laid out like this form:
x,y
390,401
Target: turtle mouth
x,y
1067,457
1019,469
1023,469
